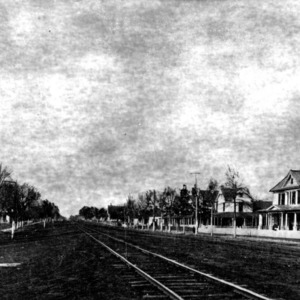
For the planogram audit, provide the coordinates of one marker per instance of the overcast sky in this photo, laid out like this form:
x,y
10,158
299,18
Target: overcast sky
x,y
99,99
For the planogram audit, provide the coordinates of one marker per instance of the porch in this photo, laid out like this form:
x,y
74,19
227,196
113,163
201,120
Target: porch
x,y
280,218
243,220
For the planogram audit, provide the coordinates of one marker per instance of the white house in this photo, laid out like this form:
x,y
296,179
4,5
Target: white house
x,y
284,213
225,210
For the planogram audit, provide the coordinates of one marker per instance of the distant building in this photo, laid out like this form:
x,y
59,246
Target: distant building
x,y
246,209
284,213
225,209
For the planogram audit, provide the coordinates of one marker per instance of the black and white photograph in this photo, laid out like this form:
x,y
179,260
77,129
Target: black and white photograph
x,y
150,149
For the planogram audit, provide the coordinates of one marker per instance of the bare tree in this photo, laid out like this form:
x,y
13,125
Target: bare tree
x,y
4,173
130,209
233,186
166,203
141,207
152,203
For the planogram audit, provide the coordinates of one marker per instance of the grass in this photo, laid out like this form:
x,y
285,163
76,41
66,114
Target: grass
x,y
59,267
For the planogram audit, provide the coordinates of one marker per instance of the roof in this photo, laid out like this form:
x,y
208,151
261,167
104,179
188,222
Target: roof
x,y
260,204
282,185
241,195
281,208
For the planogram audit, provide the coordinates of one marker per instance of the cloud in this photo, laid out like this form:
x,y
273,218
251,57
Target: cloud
x,y
100,99
23,28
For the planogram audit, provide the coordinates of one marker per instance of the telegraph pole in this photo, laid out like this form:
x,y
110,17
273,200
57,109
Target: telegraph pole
x,y
196,212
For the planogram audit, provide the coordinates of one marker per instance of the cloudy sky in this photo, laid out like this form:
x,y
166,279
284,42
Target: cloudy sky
x,y
99,99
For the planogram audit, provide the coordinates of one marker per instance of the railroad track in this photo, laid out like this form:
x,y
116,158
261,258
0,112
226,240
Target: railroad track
x,y
164,278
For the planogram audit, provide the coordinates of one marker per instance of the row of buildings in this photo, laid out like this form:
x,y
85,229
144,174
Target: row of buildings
x,y
277,218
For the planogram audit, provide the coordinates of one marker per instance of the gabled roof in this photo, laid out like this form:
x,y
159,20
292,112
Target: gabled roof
x,y
282,184
229,193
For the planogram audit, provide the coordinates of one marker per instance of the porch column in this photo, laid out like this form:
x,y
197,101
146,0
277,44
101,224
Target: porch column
x,y
270,218
286,222
271,221
260,217
281,221
295,222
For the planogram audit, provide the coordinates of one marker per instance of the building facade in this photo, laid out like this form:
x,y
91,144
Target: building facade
x,y
243,206
284,213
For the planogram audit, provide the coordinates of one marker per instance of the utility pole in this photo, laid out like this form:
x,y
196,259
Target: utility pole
x,y
196,210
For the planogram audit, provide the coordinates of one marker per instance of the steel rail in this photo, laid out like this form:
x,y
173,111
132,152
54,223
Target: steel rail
x,y
168,292
237,288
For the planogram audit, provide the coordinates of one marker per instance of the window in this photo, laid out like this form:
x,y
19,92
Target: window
x,y
224,205
281,199
299,197
292,180
293,199
241,207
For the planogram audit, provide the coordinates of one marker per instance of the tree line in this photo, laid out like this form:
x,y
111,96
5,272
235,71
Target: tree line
x,y
23,201
172,203
91,212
